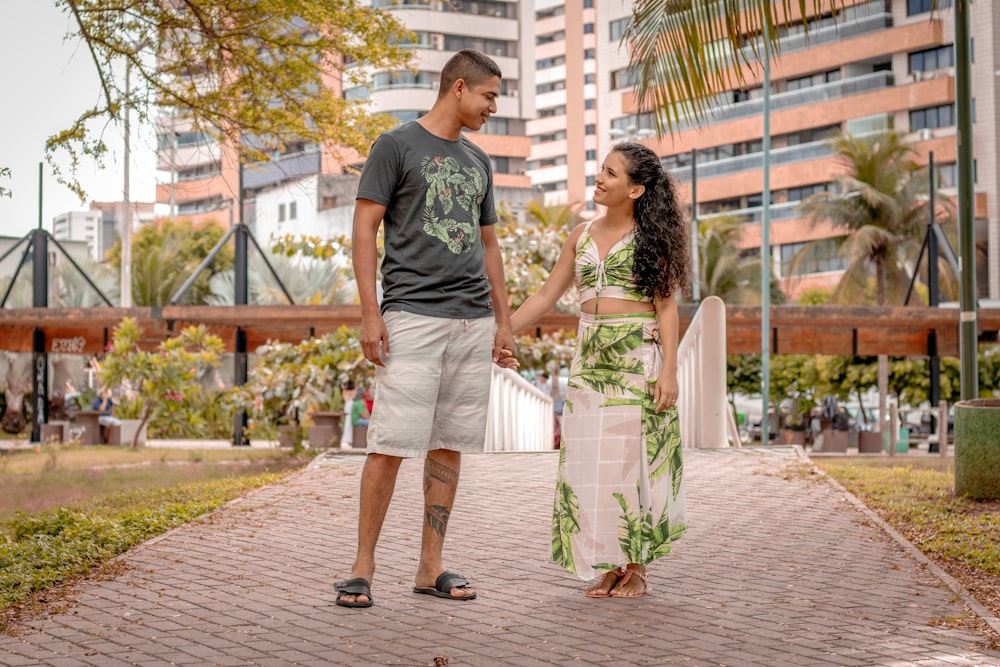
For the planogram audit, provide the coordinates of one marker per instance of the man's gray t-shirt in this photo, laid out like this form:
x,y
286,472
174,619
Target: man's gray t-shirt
x,y
437,194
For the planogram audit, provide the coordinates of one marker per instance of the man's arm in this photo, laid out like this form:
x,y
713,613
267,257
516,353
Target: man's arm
x,y
364,254
504,337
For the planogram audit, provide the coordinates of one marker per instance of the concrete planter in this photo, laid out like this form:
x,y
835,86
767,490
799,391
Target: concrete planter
x,y
834,441
127,432
792,437
977,448
326,430
871,442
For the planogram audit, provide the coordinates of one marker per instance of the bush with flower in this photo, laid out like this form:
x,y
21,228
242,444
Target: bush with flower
x,y
287,381
156,383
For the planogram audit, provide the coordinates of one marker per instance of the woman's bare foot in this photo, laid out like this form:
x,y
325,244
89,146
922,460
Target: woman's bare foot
x,y
632,584
602,588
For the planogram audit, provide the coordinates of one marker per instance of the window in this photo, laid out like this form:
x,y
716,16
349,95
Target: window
x,y
383,80
812,134
293,209
669,162
932,59
405,116
618,27
549,13
588,104
551,86
622,78
588,54
942,116
921,6
588,28
590,128
947,175
800,83
500,164
716,153
496,126
202,171
590,78
591,155
491,47
281,212
545,138
557,36
553,187
806,191
820,258
590,180
545,63
552,111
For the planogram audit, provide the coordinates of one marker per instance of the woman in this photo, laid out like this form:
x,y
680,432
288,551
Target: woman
x,y
620,496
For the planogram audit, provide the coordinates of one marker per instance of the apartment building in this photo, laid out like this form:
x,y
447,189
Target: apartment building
x,y
441,27
285,195
878,65
100,226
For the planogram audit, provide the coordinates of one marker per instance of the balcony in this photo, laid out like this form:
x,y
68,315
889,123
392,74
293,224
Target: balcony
x,y
798,153
754,215
853,21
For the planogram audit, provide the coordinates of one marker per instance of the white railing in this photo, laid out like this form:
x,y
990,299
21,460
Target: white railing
x,y
706,420
520,417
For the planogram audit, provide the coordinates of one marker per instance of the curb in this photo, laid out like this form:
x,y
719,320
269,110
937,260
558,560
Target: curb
x,y
953,584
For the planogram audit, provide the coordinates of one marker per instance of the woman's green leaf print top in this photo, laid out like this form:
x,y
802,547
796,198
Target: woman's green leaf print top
x,y
609,278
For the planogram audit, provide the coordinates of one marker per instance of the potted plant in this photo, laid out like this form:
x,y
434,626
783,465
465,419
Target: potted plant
x,y
977,454
289,382
150,378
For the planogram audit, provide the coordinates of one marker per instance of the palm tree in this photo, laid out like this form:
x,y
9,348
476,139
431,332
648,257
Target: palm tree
x,y
724,270
309,281
881,208
685,54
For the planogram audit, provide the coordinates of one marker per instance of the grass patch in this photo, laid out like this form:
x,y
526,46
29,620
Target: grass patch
x,y
56,475
41,549
917,499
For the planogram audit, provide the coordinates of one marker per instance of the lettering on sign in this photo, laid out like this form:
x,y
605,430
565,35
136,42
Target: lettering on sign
x,y
75,433
41,390
69,345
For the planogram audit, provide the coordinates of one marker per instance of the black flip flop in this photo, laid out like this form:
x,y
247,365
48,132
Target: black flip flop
x,y
442,587
357,586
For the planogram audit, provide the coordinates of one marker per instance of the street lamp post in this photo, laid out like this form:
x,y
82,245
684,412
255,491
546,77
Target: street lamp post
x,y
968,338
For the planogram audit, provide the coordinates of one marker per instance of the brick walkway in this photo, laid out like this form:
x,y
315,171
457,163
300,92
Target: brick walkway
x,y
779,567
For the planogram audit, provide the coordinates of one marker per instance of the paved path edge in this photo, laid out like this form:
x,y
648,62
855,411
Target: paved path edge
x,y
953,584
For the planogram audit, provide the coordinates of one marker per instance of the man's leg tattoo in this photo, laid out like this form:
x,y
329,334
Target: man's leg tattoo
x,y
437,515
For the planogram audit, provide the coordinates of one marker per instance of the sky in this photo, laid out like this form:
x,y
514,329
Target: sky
x,y
47,82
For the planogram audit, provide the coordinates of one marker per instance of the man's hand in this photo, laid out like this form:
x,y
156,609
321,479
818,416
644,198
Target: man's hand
x,y
507,360
374,338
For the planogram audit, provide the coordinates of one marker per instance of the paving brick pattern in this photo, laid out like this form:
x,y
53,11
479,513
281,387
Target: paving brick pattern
x,y
779,567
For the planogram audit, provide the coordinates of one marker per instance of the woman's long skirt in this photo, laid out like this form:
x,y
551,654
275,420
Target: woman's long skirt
x,y
620,489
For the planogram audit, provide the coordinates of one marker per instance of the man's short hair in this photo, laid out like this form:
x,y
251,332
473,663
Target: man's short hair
x,y
469,65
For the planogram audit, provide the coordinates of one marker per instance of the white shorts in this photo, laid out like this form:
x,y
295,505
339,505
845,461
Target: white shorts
x,y
434,390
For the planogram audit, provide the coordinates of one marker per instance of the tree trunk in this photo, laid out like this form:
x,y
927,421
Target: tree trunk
x,y
146,411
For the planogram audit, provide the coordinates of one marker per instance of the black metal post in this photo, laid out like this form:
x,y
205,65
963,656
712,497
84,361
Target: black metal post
x,y
39,299
240,299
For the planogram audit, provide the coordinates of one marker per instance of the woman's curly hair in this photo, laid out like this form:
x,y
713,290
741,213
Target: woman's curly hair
x,y
662,261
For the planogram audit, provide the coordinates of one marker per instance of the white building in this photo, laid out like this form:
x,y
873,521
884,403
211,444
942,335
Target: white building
x,y
85,226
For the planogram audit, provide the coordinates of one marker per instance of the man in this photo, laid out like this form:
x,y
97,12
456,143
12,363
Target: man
x,y
105,404
432,339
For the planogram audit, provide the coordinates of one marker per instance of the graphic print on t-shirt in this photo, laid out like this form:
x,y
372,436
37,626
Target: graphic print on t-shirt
x,y
450,186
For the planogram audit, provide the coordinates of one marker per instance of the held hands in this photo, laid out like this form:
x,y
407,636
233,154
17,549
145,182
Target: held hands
x,y
507,360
